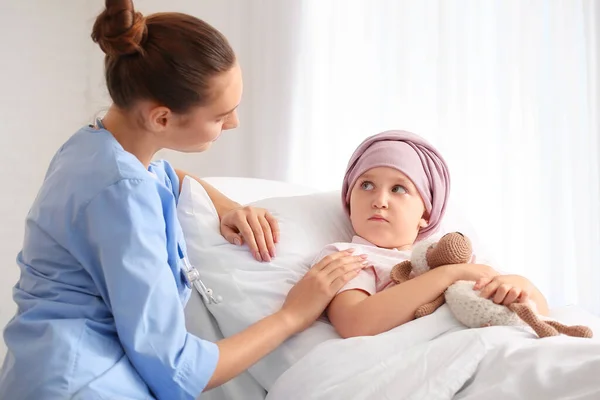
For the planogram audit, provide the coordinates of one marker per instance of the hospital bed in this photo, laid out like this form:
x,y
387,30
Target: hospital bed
x,y
203,324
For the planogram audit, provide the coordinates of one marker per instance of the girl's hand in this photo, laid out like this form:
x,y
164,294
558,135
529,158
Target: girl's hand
x,y
504,289
255,226
307,300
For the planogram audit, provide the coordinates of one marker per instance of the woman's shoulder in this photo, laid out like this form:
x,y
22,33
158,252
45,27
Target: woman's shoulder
x,y
90,162
96,155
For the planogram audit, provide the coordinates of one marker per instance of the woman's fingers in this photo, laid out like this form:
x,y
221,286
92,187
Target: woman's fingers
x,y
259,237
342,279
354,265
232,235
346,262
337,269
274,224
243,226
255,226
268,236
325,261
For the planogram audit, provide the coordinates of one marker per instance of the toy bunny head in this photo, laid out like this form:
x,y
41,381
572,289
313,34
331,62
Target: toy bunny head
x,y
452,248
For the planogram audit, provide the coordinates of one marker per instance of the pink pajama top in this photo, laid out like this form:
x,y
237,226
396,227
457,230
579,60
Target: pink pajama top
x,y
372,279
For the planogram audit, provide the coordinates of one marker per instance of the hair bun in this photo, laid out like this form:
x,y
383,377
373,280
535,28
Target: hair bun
x,y
119,29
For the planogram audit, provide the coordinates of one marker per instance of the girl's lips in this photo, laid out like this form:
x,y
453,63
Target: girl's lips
x,y
378,218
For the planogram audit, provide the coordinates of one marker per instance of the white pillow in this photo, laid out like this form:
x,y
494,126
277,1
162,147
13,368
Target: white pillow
x,y
251,290
246,190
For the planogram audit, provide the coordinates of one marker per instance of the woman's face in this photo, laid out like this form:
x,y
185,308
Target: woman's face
x,y
197,130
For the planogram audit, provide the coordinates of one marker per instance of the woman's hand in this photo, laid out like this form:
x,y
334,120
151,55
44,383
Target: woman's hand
x,y
239,224
307,300
254,226
504,289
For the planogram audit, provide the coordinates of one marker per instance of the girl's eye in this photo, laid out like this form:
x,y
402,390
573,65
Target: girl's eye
x,y
366,185
399,189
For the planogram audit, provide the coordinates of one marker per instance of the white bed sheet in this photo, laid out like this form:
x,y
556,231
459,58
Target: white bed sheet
x,y
199,322
436,358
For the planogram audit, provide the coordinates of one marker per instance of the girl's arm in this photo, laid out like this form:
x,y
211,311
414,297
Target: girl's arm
x,y
355,313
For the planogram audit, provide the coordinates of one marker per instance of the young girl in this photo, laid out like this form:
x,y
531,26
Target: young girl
x,y
395,192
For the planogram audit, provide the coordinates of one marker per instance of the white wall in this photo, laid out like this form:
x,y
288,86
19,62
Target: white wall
x,y
43,92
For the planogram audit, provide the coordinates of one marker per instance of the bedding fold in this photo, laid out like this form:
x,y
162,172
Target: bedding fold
x,y
435,357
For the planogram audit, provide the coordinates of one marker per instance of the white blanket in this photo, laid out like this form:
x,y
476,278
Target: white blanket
x,y
437,358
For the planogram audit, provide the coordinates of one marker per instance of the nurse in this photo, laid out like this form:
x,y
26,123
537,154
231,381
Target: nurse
x,y
103,283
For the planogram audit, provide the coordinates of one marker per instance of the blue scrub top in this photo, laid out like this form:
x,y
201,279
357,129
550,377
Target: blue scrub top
x,y
102,287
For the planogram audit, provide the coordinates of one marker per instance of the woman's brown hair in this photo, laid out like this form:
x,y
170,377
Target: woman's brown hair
x,y
166,57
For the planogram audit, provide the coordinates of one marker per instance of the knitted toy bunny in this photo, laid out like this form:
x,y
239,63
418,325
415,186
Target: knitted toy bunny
x,y
464,302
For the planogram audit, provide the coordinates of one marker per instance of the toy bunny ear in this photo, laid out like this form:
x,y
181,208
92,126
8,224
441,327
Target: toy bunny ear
x,y
419,256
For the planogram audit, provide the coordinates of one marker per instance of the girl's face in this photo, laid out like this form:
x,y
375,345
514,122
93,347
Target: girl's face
x,y
386,208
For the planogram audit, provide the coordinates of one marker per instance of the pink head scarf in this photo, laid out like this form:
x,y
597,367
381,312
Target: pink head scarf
x,y
414,157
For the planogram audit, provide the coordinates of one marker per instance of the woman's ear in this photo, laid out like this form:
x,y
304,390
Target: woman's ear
x,y
159,118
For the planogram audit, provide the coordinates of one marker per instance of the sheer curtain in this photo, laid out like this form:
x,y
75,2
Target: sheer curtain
x,y
508,90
